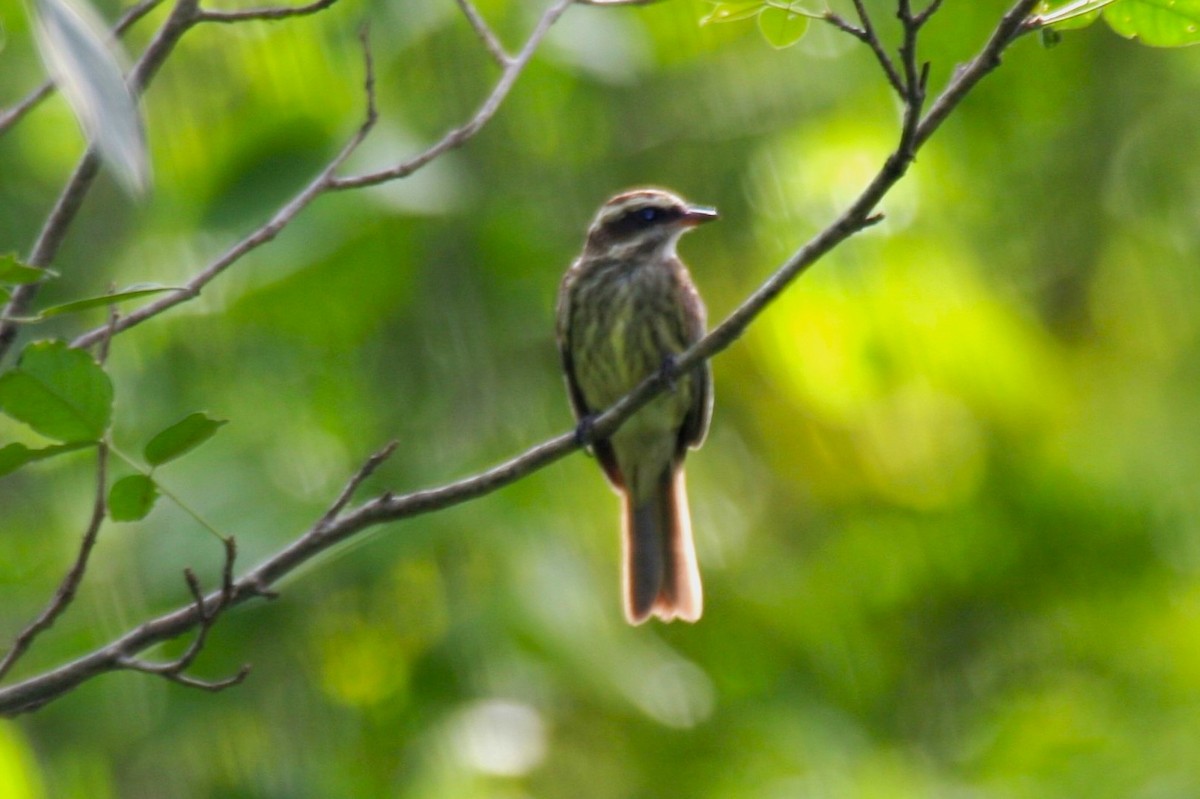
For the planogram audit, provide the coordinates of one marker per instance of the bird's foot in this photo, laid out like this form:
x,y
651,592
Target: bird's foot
x,y
668,372
583,430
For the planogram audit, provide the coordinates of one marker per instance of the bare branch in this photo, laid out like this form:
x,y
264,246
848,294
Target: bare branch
x,y
184,15
328,531
867,35
70,583
54,230
921,18
11,116
458,136
208,612
320,184
1012,25
264,13
328,181
494,48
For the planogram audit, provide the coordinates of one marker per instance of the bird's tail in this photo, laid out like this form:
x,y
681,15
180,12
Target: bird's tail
x,y
660,575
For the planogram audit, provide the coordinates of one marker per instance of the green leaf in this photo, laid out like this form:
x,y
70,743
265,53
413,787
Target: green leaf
x,y
14,456
1158,23
1070,15
782,27
732,12
188,433
131,498
134,291
60,392
13,272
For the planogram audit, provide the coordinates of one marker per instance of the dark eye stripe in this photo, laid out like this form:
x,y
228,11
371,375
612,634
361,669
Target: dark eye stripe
x,y
646,216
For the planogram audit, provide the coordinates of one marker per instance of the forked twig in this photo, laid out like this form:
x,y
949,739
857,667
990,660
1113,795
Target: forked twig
x,y
366,470
328,180
207,612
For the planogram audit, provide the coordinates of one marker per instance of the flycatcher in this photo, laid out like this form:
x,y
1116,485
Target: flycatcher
x,y
626,307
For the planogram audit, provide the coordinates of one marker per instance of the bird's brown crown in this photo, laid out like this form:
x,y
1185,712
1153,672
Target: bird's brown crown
x,y
645,215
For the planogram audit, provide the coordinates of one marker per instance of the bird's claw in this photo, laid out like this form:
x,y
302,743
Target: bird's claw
x,y
583,430
668,372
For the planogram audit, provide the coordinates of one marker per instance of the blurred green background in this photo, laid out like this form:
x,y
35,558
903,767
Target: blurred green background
x,y
948,515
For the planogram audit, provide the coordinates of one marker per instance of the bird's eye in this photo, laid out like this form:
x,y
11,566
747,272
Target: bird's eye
x,y
648,214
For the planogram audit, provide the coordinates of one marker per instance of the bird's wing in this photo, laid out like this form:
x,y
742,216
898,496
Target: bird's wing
x,y
602,448
699,415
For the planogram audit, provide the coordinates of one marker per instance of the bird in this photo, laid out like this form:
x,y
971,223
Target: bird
x,y
626,308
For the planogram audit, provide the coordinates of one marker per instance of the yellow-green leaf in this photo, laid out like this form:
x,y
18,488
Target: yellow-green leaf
x,y
782,27
1159,23
732,12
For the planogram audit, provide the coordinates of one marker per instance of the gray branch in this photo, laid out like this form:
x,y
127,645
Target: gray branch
x,y
328,180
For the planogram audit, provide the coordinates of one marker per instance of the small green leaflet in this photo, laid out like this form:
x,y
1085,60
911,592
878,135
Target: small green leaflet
x,y
132,292
60,392
131,498
1159,23
782,23
733,12
14,272
782,27
1071,14
188,433
14,456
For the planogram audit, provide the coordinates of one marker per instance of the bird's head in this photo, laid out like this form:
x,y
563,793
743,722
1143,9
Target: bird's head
x,y
644,221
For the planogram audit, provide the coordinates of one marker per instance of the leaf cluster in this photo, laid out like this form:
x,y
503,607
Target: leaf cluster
x,y
64,395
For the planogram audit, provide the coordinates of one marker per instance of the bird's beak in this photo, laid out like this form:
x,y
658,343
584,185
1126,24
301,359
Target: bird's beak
x,y
698,215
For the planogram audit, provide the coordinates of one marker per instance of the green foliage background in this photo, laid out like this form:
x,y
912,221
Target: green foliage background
x,y
948,514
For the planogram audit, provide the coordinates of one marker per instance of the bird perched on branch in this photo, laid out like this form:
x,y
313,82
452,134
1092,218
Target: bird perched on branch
x,y
626,308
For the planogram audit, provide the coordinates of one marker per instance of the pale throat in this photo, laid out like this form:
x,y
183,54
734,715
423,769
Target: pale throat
x,y
665,249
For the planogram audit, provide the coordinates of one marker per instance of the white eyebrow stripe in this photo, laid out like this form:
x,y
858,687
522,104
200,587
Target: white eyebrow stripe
x,y
620,205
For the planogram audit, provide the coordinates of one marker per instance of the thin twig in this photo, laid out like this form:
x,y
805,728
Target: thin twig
x,y
868,36
487,109
323,534
55,228
1012,25
485,34
328,181
208,611
11,116
366,470
264,13
70,583
265,233
273,227
931,9
184,15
